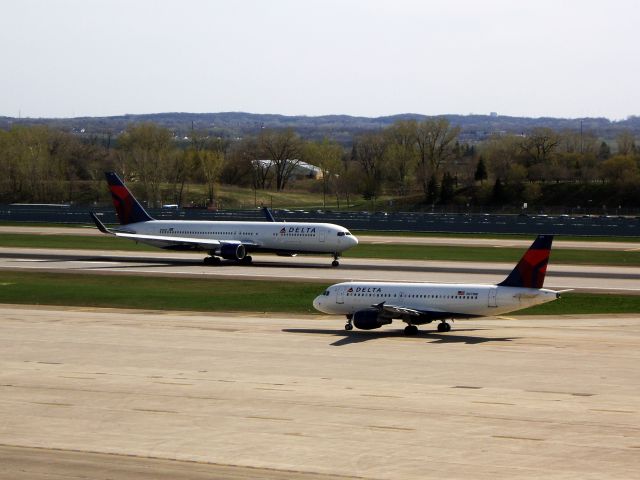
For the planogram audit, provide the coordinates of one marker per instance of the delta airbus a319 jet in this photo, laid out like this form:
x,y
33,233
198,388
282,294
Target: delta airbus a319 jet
x,y
370,305
229,240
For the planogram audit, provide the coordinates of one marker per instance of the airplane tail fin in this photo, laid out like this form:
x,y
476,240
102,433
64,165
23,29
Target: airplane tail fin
x,y
532,267
127,207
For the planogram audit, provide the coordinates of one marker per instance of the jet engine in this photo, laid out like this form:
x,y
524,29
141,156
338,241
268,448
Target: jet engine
x,y
369,319
232,251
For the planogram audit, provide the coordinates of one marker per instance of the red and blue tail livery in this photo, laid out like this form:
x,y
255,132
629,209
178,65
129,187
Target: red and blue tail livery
x,y
532,267
127,207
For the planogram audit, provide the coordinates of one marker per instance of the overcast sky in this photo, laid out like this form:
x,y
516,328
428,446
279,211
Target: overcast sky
x,y
561,58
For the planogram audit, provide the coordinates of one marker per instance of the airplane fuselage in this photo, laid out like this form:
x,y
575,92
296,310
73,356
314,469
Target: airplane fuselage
x,y
278,237
453,300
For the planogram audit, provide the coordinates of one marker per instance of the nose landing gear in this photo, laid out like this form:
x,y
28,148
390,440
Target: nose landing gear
x,y
335,262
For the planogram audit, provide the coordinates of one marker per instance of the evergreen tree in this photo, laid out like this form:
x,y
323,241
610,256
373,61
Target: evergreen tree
x,y
498,193
481,171
432,190
447,188
604,152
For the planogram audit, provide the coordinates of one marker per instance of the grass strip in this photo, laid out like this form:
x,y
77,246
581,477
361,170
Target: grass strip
x,y
494,236
386,251
492,254
216,295
119,291
72,242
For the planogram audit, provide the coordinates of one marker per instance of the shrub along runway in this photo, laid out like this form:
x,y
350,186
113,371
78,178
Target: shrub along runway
x,y
274,395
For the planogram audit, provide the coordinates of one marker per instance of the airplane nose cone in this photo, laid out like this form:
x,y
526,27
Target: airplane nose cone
x,y
354,240
317,303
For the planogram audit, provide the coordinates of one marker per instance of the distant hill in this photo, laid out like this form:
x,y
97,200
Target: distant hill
x,y
339,127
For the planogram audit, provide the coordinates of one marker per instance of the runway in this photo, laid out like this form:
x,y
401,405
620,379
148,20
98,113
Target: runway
x,y
314,269
249,396
591,244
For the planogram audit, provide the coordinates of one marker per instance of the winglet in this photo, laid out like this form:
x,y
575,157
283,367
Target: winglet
x,y
99,224
267,213
532,267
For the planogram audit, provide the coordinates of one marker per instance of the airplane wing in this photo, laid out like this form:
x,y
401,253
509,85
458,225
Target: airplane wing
x,y
394,310
200,243
168,241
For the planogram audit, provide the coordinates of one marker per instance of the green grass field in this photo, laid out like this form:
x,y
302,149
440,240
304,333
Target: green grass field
x,y
386,251
117,291
212,295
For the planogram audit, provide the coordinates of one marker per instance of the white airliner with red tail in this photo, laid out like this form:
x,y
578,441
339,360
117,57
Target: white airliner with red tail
x,y
370,305
229,240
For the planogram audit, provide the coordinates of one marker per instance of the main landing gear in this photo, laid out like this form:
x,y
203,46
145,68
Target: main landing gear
x,y
410,330
212,261
335,262
216,260
444,327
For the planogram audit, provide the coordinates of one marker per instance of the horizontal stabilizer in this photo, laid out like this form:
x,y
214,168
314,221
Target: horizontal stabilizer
x,y
268,214
99,224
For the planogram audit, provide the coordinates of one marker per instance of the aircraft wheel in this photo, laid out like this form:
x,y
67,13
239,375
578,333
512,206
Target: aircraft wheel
x,y
211,260
444,327
348,326
335,263
410,330
246,260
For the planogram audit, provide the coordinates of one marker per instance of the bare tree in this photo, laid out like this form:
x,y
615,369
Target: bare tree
x,y
435,140
207,155
626,143
402,152
147,147
284,149
369,152
327,156
540,145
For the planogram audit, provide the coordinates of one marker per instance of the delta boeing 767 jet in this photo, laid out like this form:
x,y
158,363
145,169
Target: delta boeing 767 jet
x,y
229,240
370,305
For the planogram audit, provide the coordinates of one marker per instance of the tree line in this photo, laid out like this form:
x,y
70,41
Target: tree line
x,y
411,164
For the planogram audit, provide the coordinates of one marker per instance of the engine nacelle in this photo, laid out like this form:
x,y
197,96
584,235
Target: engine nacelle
x,y
369,319
232,251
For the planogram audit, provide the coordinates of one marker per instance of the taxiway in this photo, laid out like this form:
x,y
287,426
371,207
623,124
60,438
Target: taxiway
x,y
591,244
592,278
179,395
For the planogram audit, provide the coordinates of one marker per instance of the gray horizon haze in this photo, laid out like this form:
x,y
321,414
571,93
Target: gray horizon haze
x,y
563,58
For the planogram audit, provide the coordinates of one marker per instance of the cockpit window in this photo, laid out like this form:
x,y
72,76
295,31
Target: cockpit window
x,y
341,234
326,293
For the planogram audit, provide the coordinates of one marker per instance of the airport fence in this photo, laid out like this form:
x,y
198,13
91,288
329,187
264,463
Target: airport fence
x,y
588,225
